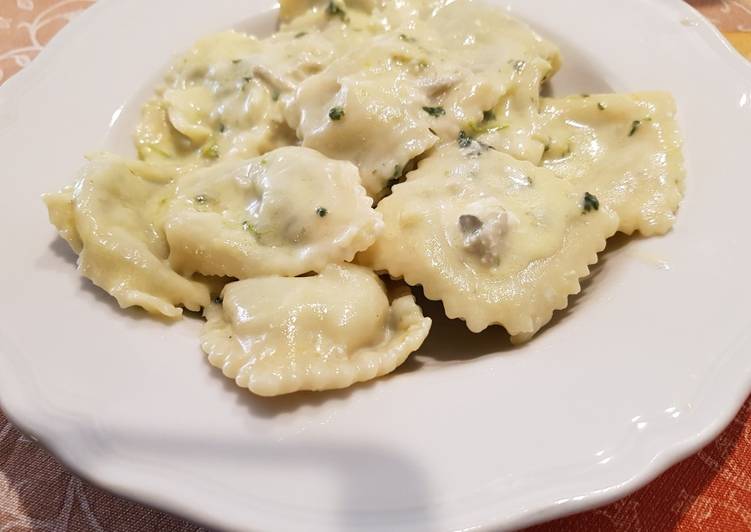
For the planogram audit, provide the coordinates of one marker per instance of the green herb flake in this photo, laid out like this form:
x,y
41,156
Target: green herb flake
x,y
222,128
336,113
485,127
246,79
434,111
335,10
301,34
488,116
249,228
464,140
275,96
236,61
211,152
635,125
407,38
201,199
601,106
322,212
585,95
591,203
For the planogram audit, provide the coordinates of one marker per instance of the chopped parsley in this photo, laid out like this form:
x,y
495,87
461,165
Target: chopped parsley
x,y
635,125
601,106
336,113
488,116
301,34
322,211
249,227
211,152
246,79
201,199
236,61
477,147
585,95
434,111
335,10
407,38
464,140
591,203
222,128
275,96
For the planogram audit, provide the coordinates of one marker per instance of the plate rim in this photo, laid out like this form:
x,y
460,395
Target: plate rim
x,y
31,416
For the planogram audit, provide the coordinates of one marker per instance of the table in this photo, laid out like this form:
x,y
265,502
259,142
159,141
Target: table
x,y
709,491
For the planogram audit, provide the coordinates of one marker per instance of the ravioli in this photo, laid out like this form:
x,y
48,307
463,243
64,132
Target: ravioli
x,y
277,335
388,102
224,98
111,217
499,241
289,212
513,124
371,116
262,158
625,149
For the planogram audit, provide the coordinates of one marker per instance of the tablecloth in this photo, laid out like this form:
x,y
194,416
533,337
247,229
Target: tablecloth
x,y
709,491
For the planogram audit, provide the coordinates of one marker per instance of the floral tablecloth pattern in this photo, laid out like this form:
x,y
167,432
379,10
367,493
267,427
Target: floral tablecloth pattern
x,y
709,491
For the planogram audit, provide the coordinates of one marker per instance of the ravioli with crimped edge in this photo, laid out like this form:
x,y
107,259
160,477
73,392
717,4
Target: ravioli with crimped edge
x,y
288,212
625,148
384,104
497,240
276,335
112,216
410,138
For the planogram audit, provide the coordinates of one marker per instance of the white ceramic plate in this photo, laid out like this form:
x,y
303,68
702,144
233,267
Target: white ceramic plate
x,y
647,366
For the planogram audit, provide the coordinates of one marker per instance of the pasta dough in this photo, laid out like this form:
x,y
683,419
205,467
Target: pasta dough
x,y
288,212
261,160
386,103
224,98
276,335
496,239
625,148
111,218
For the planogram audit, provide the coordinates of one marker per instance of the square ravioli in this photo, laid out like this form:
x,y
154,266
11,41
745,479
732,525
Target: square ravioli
x,y
387,102
289,212
624,148
497,240
276,335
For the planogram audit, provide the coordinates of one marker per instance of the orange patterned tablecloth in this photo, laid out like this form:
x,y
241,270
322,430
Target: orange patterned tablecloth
x,y
709,491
